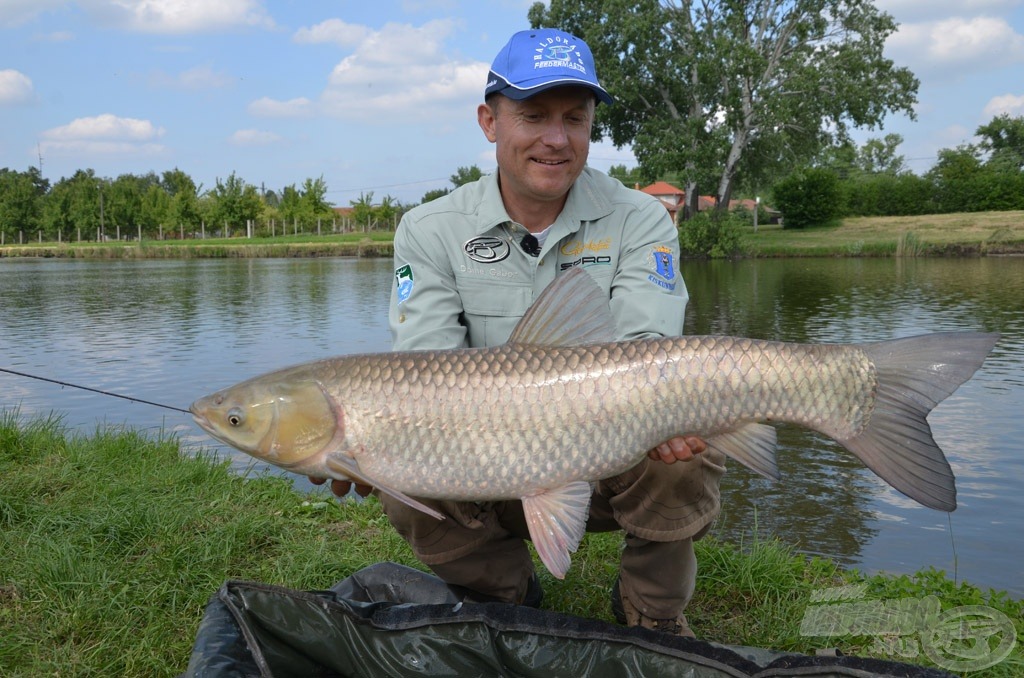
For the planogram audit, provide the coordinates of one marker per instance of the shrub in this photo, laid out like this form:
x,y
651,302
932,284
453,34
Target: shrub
x,y
712,234
808,197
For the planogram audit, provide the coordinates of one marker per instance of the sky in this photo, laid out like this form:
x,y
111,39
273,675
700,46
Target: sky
x,y
374,96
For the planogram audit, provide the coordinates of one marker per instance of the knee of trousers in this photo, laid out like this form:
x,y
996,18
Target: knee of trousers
x,y
467,527
668,502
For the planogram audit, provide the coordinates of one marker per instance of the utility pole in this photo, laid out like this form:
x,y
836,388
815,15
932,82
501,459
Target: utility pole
x,y
99,188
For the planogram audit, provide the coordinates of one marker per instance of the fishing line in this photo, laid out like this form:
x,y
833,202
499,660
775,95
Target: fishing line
x,y
952,543
95,390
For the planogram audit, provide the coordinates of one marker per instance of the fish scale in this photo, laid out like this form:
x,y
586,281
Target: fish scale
x,y
562,405
531,414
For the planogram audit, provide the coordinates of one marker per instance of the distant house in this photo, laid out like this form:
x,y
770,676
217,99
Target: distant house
x,y
673,199
670,196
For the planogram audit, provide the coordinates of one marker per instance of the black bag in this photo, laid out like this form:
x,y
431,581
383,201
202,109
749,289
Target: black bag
x,y
391,620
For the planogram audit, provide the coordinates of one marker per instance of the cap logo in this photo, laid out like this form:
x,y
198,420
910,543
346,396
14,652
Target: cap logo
x,y
558,51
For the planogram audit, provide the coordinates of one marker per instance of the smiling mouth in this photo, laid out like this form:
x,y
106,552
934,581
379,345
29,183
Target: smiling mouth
x,y
549,163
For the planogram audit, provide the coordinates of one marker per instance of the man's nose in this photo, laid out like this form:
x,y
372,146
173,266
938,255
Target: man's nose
x,y
555,134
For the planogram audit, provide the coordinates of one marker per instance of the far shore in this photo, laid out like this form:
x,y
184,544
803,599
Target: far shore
x,y
961,234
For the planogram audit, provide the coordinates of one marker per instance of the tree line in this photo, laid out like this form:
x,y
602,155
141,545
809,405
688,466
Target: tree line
x,y
171,204
874,181
168,205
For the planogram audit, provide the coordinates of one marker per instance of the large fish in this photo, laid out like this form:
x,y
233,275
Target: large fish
x,y
562,405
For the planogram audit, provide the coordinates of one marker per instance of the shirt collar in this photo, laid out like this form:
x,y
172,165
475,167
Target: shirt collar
x,y
586,202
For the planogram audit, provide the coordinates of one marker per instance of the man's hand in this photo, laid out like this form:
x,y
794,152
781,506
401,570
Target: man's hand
x,y
342,487
682,448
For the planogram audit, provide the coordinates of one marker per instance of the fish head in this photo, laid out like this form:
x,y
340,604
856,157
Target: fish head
x,y
283,421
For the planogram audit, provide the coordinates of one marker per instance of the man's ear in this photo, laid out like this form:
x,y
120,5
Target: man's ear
x,y
487,119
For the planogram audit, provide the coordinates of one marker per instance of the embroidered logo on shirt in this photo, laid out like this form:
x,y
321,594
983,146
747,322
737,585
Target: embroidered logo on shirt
x,y
403,280
664,269
486,249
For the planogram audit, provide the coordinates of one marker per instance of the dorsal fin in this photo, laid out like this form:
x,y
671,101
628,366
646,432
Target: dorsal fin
x,y
571,311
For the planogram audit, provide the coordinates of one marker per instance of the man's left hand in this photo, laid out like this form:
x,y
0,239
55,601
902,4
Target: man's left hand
x,y
681,448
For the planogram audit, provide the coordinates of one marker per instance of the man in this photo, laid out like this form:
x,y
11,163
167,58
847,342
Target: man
x,y
467,267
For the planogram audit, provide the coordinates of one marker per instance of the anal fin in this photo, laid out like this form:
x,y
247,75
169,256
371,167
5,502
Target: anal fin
x,y
557,520
753,445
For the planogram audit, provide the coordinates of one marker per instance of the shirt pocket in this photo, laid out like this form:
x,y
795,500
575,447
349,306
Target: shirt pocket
x,y
491,309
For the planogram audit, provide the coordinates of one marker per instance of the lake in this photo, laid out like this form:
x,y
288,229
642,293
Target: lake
x,y
171,331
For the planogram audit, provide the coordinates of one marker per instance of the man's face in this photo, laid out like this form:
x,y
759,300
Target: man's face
x,y
541,142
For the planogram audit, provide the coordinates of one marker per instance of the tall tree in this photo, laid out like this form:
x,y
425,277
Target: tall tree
x,y
20,204
1003,140
233,202
464,175
713,89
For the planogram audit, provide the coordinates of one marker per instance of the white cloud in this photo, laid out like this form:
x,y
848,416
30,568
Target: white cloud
x,y
15,88
253,137
271,108
930,10
181,16
400,72
198,78
1011,104
957,46
17,12
55,36
104,134
332,30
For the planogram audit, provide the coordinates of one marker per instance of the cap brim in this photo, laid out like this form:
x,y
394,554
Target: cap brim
x,y
520,93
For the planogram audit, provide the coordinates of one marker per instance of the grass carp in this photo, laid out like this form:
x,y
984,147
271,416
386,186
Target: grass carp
x,y
562,404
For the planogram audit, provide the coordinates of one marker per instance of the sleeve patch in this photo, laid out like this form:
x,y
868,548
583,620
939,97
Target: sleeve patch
x,y
403,282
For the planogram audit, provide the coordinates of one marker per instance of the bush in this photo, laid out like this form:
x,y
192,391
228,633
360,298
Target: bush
x,y
712,234
809,197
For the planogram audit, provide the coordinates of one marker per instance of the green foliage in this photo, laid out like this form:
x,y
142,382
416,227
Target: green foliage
x,y
888,195
1003,139
722,90
713,234
629,177
21,195
809,197
465,175
233,203
435,194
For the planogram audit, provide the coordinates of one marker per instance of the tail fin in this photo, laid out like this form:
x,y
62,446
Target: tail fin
x,y
914,375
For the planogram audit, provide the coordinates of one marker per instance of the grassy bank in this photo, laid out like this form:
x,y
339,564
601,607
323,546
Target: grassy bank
x,y
972,234
371,244
112,544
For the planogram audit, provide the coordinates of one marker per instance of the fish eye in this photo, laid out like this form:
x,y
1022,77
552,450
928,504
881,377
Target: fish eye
x,y
235,416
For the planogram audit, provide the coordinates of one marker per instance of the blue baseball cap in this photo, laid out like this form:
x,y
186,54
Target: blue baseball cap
x,y
537,60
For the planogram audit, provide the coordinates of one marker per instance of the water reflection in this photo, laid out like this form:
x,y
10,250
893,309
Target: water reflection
x,y
170,331
827,502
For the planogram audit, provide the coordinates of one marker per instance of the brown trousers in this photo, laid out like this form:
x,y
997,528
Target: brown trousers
x,y
662,507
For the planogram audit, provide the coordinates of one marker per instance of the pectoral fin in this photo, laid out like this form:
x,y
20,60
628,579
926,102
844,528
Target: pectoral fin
x,y
557,520
346,468
753,445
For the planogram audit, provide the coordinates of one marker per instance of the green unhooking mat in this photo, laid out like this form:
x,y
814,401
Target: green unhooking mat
x,y
390,620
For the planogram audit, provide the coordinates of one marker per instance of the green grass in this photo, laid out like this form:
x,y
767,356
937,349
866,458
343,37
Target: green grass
x,y
930,235
111,544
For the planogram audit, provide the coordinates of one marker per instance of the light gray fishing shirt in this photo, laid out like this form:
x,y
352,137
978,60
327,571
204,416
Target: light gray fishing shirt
x,y
462,279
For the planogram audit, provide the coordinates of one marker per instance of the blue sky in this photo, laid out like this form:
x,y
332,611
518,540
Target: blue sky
x,y
374,96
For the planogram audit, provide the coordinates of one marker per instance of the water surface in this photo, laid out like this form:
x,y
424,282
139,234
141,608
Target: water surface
x,y
171,331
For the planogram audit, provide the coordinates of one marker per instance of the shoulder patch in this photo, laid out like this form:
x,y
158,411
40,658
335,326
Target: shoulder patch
x,y
403,282
663,262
